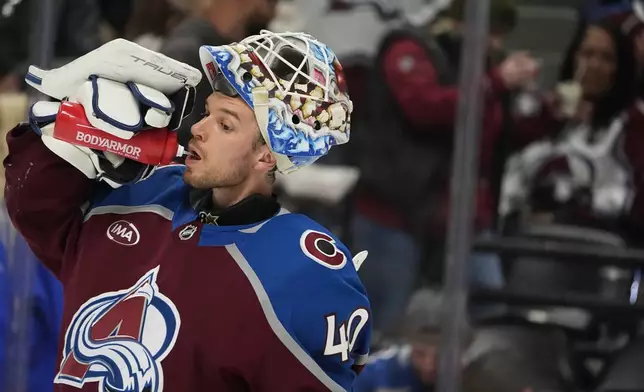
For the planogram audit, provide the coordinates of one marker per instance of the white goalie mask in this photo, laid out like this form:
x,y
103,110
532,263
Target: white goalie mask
x,y
296,87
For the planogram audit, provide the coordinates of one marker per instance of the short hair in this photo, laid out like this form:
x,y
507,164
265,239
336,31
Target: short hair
x,y
424,314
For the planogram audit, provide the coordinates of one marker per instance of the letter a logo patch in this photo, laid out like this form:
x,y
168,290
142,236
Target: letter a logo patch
x,y
119,339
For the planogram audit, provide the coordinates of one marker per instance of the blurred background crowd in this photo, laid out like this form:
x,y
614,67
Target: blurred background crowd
x,y
554,274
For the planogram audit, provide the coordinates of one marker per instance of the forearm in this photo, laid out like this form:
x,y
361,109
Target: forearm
x,y
44,195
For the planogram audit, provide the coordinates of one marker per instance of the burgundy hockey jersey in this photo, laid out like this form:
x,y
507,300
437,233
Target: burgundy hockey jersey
x,y
157,301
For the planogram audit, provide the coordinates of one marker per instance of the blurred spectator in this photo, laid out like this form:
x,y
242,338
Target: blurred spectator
x,y
515,357
588,168
406,153
212,22
491,373
289,17
215,22
411,366
117,14
497,358
151,21
76,25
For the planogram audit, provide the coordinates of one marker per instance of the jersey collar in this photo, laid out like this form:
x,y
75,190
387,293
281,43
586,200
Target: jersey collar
x,y
253,209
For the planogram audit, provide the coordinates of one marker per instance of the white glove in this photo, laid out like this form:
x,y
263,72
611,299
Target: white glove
x,y
102,166
123,89
123,109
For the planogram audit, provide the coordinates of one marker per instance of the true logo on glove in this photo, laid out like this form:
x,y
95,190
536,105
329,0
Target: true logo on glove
x,y
161,69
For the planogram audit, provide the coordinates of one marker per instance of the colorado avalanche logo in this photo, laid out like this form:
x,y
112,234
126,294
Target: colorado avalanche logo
x,y
119,339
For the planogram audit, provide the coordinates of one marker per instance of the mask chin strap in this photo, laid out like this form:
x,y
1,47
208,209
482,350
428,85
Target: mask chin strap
x,y
260,101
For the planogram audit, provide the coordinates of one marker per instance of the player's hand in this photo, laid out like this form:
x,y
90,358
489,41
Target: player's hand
x,y
123,109
518,70
97,165
123,89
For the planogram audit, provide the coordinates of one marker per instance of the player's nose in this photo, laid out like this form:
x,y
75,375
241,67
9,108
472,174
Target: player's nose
x,y
197,130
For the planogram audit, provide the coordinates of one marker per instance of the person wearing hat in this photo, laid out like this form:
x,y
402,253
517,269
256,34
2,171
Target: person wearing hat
x,y
412,365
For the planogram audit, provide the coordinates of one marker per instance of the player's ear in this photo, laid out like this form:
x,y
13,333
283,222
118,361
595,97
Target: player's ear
x,y
266,161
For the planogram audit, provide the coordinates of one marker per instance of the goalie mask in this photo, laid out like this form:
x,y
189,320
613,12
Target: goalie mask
x,y
296,87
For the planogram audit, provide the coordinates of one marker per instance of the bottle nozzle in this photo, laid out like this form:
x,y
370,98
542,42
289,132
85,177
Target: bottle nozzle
x,y
181,151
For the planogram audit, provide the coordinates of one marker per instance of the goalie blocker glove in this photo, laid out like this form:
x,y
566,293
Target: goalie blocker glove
x,y
134,90
103,166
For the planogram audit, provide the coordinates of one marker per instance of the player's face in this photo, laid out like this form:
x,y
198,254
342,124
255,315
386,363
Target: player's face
x,y
596,62
424,359
224,150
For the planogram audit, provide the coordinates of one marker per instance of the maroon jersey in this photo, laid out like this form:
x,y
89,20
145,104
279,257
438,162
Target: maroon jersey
x,y
157,301
595,176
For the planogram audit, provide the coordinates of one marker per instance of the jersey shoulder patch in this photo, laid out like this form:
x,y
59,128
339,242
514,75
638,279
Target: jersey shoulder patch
x,y
306,240
322,248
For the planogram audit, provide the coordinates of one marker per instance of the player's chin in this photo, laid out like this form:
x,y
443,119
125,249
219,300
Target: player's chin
x,y
191,176
195,179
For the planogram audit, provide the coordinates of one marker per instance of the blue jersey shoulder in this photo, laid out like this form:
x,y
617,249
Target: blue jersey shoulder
x,y
163,193
304,245
315,292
